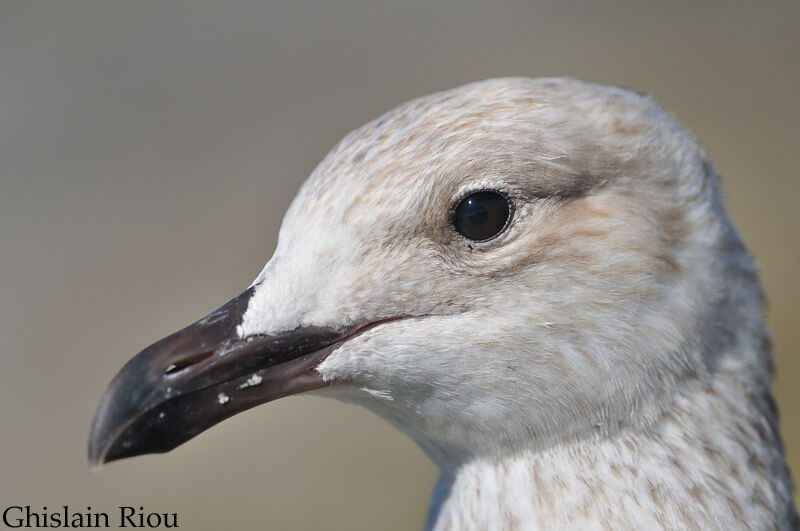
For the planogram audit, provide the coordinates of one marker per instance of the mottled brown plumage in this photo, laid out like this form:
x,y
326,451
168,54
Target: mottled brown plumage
x,y
601,363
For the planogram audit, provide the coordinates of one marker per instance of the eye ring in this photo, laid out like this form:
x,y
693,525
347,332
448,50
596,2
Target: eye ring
x,y
482,215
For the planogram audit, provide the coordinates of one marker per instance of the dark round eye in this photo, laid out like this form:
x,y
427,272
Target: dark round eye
x,y
482,215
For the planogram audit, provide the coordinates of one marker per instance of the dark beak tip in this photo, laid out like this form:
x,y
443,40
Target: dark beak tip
x,y
98,438
182,385
120,404
96,458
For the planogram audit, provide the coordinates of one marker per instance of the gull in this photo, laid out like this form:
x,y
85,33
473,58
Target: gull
x,y
536,280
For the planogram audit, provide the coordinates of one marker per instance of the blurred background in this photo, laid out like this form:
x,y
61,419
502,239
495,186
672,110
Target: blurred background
x,y
149,149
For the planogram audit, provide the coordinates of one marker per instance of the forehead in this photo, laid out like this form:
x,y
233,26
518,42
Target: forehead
x,y
554,133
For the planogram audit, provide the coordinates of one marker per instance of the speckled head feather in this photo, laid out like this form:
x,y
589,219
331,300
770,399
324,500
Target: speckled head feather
x,y
604,358
601,363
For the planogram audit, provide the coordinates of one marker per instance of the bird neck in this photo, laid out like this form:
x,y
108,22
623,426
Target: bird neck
x,y
713,460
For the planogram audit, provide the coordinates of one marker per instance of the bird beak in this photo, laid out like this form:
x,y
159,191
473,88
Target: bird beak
x,y
199,376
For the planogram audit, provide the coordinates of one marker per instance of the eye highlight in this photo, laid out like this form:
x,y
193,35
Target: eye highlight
x,y
482,216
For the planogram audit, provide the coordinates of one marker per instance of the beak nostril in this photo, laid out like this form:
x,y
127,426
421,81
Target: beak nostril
x,y
185,363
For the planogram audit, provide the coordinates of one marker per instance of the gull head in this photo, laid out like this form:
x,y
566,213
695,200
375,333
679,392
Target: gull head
x,y
499,267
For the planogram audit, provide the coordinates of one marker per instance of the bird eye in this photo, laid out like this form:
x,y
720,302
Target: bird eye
x,y
482,215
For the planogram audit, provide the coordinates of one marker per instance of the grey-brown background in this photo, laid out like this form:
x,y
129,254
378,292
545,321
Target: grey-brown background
x,y
148,151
